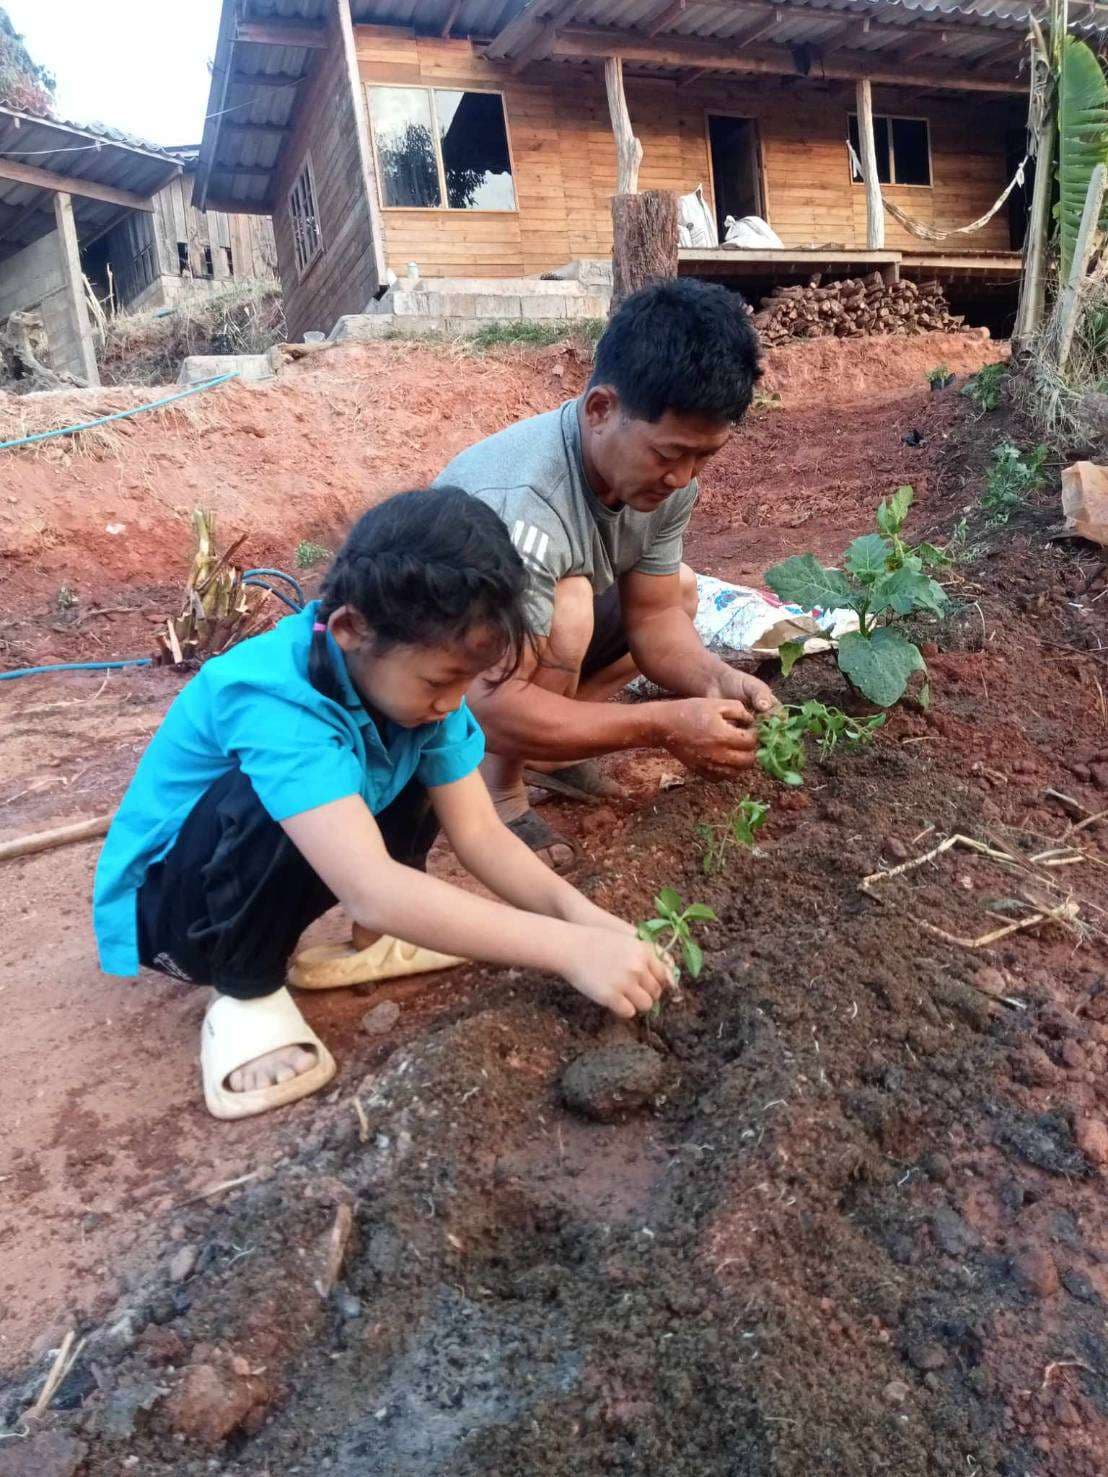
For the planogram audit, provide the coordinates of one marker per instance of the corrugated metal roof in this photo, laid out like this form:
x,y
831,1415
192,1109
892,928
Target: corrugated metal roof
x,y
89,152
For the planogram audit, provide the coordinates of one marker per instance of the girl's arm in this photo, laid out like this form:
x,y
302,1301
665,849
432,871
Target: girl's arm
x,y
507,865
342,843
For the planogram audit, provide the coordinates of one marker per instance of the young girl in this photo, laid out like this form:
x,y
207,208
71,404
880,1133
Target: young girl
x,y
315,764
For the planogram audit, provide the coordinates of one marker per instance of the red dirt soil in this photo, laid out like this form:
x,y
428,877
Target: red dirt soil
x,y
863,1231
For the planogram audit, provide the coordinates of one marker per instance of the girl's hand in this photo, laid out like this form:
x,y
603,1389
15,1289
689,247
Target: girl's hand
x,y
617,970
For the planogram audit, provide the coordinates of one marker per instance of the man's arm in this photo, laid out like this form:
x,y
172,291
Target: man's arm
x,y
668,650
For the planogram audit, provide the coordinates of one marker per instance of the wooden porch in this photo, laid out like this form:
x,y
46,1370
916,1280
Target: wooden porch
x,y
992,267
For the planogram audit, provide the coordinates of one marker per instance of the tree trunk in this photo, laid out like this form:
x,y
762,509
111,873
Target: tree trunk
x,y
644,241
875,208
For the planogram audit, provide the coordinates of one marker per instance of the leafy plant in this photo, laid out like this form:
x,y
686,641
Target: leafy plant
x,y
881,576
940,377
740,828
308,554
782,752
1082,138
1011,479
984,388
766,400
671,931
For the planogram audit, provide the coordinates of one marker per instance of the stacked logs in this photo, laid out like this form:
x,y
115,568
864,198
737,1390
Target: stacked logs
x,y
853,308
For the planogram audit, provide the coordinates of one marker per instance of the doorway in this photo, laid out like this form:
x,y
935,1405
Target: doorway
x,y
736,168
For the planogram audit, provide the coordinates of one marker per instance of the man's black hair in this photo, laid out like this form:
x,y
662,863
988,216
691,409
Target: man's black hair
x,y
684,346
426,568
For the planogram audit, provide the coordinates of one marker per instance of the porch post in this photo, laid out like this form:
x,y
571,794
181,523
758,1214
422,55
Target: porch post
x,y
644,226
73,278
875,210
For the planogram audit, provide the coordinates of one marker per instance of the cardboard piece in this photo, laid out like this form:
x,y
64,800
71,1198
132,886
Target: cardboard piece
x,y
1085,501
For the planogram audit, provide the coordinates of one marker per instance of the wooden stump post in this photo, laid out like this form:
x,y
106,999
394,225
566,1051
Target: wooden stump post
x,y
644,226
875,207
644,241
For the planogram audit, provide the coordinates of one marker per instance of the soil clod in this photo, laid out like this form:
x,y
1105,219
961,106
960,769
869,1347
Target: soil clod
x,y
612,1081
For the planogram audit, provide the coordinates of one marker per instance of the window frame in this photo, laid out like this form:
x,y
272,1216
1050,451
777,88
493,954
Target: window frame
x,y
894,183
445,208
306,171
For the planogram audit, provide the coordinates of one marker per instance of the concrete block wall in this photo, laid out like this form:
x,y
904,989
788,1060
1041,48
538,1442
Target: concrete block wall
x,y
33,278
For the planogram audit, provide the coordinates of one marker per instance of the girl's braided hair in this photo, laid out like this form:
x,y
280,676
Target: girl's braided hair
x,y
426,568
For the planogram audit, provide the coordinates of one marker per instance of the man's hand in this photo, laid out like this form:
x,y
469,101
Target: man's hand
x,y
744,688
715,738
618,971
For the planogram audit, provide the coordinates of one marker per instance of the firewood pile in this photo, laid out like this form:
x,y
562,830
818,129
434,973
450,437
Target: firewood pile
x,y
853,308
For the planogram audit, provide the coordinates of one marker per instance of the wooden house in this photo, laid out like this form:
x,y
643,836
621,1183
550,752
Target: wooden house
x,y
154,259
474,137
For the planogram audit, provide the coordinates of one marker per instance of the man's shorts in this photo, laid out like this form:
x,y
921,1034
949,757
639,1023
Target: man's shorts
x,y
609,639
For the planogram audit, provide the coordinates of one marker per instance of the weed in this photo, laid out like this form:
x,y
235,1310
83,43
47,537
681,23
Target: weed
x,y
65,599
781,737
671,931
881,576
766,400
538,334
1013,476
986,386
309,554
941,377
740,828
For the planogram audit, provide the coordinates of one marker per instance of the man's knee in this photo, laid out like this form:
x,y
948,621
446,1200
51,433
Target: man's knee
x,y
572,624
688,590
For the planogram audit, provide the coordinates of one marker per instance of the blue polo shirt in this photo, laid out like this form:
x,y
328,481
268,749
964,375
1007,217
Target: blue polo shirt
x,y
256,706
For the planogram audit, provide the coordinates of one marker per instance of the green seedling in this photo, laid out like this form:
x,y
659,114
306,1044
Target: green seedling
x,y
309,554
671,932
740,828
1013,476
881,578
985,388
940,378
766,400
782,751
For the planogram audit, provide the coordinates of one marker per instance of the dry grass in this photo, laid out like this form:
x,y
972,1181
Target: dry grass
x,y
27,415
146,348
1070,409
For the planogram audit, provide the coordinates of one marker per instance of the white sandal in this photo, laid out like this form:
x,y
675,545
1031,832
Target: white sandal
x,y
236,1032
333,966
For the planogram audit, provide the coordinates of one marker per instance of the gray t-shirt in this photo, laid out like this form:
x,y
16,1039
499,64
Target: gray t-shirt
x,y
533,476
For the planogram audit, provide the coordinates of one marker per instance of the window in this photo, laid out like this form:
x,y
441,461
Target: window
x,y
304,216
438,148
903,148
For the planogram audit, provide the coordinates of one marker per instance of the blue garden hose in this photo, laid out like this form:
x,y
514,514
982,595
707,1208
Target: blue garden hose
x,y
132,661
119,415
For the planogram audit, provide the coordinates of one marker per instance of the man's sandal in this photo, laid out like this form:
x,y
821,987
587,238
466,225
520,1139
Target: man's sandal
x,y
336,966
534,832
236,1032
583,781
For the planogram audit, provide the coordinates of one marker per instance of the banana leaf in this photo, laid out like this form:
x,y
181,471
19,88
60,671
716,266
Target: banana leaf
x,y
1082,138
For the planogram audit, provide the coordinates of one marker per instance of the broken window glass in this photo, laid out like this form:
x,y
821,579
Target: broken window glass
x,y
475,157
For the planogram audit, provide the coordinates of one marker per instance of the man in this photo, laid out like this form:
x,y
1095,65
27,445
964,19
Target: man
x,y
597,496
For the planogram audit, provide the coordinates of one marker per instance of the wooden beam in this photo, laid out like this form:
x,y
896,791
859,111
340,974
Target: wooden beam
x,y
542,38
46,179
581,44
302,34
451,19
759,30
836,41
1011,43
268,130
76,305
691,77
366,164
875,210
628,148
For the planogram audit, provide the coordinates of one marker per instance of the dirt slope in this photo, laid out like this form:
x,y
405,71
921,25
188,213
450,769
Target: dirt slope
x,y
863,1231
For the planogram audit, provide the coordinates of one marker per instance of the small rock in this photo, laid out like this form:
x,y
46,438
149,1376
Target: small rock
x,y
381,1018
1073,1056
896,1392
990,981
1032,1066
1065,1412
1035,1268
927,1356
604,1084
348,1305
1078,1285
895,849
951,1233
163,1346
1099,775
1092,1139
182,1263
937,1167
49,1454
210,1403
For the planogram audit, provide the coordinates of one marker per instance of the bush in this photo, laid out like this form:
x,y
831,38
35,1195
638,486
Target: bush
x,y
1011,479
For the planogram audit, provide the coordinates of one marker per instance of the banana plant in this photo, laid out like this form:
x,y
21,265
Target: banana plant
x,y
1082,138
